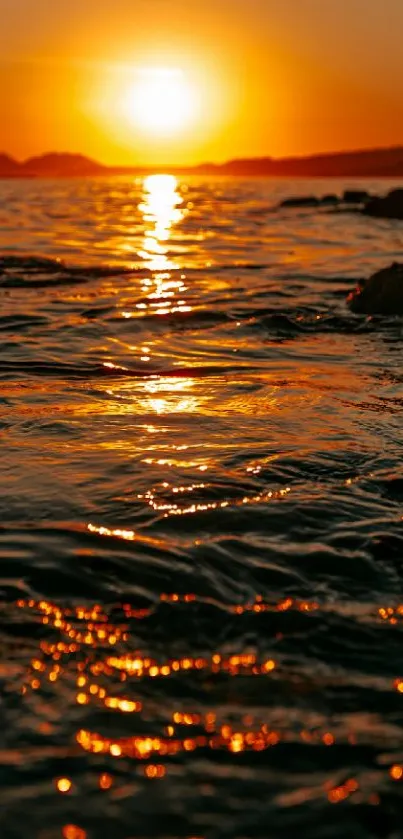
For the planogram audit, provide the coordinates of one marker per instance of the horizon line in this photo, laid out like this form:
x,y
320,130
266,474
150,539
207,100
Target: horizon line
x,y
219,163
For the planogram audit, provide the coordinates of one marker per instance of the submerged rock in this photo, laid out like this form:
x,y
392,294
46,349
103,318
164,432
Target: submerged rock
x,y
349,197
391,206
381,294
354,200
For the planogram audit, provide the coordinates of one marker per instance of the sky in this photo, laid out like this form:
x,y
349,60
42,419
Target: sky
x,y
262,77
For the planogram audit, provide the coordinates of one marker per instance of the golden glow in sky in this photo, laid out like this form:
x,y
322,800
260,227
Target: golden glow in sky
x,y
184,82
160,101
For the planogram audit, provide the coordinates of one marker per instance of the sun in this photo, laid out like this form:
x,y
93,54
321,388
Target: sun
x,y
161,101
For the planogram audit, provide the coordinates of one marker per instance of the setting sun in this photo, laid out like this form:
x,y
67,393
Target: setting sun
x,y
161,101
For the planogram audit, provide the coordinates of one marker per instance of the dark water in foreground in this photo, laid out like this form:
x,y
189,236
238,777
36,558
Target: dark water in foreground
x,y
201,538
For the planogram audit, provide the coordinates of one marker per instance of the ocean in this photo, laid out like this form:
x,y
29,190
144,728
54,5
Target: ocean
x,y
201,541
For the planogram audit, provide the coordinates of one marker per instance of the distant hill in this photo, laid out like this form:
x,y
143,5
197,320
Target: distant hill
x,y
367,163
9,168
62,165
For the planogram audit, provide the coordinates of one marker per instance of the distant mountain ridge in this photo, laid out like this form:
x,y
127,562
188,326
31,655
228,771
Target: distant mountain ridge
x,y
8,166
382,162
62,164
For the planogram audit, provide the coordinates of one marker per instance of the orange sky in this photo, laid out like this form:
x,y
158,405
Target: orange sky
x,y
270,76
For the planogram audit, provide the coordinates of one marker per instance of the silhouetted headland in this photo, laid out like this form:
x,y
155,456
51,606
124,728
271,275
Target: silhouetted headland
x,y
382,162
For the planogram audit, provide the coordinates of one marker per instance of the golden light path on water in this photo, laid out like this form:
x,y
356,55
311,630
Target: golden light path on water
x,y
161,209
164,289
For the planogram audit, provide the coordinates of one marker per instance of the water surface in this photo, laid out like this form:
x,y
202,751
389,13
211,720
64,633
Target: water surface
x,y
201,514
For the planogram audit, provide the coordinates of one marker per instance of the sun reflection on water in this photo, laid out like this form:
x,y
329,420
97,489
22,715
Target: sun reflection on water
x,y
164,288
170,396
161,210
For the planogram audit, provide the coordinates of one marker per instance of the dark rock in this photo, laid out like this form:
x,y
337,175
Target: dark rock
x,y
330,199
355,196
300,201
382,294
391,206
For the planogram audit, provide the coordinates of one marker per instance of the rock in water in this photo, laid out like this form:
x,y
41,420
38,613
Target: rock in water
x,y
355,196
382,294
391,206
330,199
302,201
